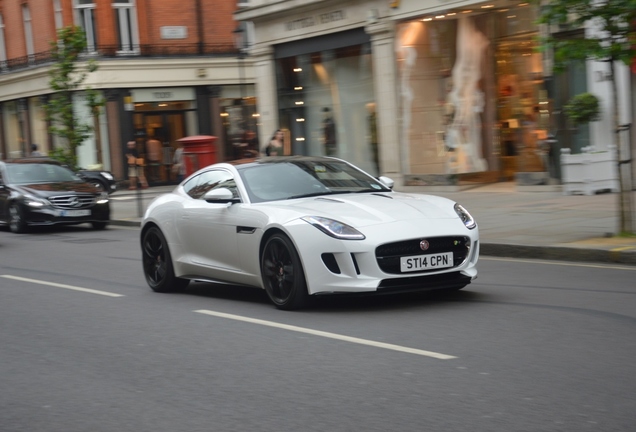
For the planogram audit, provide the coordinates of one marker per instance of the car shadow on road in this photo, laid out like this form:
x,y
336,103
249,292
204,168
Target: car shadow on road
x,y
339,303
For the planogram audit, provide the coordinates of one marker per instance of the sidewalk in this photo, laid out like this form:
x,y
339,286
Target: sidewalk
x,y
539,223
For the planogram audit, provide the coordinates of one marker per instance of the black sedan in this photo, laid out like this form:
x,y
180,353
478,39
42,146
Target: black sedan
x,y
39,192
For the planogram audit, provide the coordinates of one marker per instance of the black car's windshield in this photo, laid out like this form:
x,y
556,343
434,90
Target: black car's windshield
x,y
29,173
306,178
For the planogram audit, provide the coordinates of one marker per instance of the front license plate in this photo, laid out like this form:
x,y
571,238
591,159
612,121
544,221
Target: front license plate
x,y
75,213
426,262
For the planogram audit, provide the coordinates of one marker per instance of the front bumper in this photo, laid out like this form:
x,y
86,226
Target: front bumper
x,y
52,216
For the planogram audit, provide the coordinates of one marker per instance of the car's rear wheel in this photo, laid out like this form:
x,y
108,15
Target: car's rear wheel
x,y
17,224
282,273
157,263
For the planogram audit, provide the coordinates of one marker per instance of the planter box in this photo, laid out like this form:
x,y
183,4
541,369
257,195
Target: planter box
x,y
589,172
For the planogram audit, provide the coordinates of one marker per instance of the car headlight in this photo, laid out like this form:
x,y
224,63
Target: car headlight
x,y
463,214
107,175
32,201
102,198
334,228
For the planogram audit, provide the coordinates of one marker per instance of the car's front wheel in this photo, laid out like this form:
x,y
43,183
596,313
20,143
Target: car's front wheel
x,y
99,225
157,263
282,273
17,224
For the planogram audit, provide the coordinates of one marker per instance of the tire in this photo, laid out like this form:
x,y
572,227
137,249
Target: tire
x,y
17,224
100,225
157,263
282,273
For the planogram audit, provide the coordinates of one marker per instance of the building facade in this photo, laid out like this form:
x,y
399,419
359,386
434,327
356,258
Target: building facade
x,y
166,70
425,92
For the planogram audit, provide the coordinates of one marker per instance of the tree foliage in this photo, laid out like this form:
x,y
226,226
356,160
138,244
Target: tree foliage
x,y
66,77
616,40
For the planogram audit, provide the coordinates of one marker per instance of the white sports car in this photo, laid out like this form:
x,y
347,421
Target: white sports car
x,y
302,226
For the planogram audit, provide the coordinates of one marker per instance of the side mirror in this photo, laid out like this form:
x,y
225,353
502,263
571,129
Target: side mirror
x,y
220,196
387,181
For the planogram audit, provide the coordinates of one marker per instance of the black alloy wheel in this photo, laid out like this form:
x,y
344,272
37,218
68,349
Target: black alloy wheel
x,y
17,224
282,273
157,263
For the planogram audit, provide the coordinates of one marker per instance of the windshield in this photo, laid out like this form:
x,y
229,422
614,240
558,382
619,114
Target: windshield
x,y
298,179
29,173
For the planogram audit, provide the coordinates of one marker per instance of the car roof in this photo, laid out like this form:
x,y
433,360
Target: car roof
x,y
282,159
33,160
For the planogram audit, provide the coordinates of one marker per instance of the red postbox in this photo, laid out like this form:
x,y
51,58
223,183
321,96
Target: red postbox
x,y
198,151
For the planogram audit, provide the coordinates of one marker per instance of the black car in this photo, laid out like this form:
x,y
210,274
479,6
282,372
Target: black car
x,y
42,192
100,179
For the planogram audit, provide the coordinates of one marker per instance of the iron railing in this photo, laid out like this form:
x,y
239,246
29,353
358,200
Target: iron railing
x,y
133,51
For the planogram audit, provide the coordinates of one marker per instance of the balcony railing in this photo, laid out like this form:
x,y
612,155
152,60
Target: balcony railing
x,y
136,51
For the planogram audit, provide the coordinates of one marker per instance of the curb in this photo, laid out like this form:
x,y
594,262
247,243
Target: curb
x,y
549,253
558,253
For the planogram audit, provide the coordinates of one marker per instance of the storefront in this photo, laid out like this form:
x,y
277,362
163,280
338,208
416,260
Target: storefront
x,y
472,92
325,97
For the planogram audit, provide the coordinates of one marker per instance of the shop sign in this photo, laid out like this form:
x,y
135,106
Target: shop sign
x,y
319,19
163,94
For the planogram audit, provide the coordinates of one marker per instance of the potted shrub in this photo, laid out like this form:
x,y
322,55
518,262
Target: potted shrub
x,y
583,108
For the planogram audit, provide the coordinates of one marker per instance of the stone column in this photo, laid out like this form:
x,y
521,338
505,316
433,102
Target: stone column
x,y
386,95
264,68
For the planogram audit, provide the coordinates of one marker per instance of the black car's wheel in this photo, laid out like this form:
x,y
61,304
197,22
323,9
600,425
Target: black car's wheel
x,y
17,224
99,225
157,263
282,273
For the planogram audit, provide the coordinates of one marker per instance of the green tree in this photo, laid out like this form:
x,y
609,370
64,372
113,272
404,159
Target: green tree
x,y
610,37
66,77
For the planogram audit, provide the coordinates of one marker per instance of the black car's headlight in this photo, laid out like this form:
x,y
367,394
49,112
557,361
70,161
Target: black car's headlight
x,y
102,198
334,228
107,175
463,214
32,201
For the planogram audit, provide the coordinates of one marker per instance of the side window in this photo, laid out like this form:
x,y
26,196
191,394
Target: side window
x,y
210,180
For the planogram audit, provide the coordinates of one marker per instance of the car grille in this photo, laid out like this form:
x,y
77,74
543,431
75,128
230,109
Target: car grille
x,y
388,255
72,201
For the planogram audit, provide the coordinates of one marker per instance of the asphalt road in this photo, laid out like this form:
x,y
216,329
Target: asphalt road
x,y
86,346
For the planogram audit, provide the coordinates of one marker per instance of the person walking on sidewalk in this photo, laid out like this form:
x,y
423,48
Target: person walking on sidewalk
x,y
135,167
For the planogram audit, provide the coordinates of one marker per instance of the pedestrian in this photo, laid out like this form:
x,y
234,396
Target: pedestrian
x,y
154,150
135,167
275,145
35,151
178,167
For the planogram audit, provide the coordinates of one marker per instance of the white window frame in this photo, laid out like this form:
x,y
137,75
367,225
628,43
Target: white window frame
x,y
28,32
128,29
84,17
57,13
3,47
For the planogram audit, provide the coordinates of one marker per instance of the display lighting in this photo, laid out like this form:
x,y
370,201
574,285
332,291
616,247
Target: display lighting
x,y
256,115
300,139
488,6
298,69
440,16
224,114
523,4
298,88
427,19
466,11
299,103
300,120
451,13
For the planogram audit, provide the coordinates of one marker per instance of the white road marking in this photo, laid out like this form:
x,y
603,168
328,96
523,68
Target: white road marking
x,y
70,287
328,335
560,263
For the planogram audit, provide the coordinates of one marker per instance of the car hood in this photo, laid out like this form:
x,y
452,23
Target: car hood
x,y
373,208
48,189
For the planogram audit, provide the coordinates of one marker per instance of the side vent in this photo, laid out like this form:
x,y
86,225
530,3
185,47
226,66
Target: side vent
x,y
330,261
